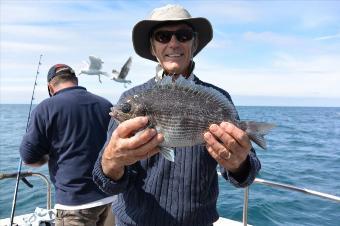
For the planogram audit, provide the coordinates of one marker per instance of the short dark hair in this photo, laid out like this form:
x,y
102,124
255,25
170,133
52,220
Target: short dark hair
x,y
64,77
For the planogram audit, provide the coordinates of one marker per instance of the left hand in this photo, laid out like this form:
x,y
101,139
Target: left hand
x,y
228,145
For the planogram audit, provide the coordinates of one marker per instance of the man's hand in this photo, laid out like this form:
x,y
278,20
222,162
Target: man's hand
x,y
125,147
228,145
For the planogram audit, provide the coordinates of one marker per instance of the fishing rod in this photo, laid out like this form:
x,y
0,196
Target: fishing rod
x,y
20,162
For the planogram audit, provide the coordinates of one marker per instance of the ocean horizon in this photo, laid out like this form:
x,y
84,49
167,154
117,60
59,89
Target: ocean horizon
x,y
303,151
243,101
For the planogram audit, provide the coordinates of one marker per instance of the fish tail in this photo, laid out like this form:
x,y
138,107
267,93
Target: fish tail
x,y
256,131
168,153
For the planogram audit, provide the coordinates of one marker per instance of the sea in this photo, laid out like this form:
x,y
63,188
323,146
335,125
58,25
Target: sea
x,y
303,151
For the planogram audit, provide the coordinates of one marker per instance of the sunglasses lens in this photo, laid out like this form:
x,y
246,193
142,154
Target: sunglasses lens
x,y
163,36
181,35
184,35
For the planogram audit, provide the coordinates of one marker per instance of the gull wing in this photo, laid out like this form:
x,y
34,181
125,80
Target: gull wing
x,y
95,63
125,69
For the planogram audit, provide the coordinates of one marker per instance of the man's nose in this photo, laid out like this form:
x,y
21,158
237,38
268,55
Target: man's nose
x,y
173,40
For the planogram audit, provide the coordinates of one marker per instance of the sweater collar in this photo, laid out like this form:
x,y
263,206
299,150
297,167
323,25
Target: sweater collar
x,y
69,89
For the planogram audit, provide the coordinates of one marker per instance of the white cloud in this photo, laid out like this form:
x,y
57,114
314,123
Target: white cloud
x,y
271,82
31,47
309,64
328,37
34,32
312,20
288,75
225,12
70,31
271,38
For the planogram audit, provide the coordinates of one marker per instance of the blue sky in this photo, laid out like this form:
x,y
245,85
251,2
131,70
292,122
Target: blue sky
x,y
283,53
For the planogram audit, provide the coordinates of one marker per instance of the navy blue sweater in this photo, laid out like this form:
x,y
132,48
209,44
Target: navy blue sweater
x,y
71,128
157,192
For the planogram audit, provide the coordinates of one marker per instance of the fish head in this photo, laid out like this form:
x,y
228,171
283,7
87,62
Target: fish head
x,y
128,109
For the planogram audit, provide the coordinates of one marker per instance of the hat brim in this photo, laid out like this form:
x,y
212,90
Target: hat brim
x,y
141,32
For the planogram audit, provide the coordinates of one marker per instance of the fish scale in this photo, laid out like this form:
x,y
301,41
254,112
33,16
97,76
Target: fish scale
x,y
182,111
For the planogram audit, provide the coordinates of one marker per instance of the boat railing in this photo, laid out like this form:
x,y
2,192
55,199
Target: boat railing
x,y
282,186
273,184
23,176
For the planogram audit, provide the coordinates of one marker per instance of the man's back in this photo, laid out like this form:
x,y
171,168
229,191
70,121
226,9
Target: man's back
x,y
71,128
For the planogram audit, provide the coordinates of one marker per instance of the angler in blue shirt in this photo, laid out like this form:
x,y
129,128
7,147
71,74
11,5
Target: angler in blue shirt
x,y
68,131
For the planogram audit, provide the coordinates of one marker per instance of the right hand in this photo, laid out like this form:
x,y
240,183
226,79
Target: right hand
x,y
125,147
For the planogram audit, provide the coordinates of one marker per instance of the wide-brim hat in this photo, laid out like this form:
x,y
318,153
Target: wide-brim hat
x,y
169,14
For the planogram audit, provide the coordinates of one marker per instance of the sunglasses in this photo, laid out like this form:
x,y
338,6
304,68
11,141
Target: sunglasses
x,y
182,35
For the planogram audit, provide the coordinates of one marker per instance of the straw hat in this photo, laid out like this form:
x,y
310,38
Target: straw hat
x,y
169,13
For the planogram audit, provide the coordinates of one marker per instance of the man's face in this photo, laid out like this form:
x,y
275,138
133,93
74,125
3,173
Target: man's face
x,y
175,54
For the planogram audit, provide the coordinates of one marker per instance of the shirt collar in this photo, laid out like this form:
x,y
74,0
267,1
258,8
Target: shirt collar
x,y
70,88
160,73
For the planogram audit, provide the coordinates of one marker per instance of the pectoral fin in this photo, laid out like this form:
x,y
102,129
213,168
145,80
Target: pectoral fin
x,y
168,153
256,131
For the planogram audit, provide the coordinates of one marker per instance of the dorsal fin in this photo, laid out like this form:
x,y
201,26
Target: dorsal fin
x,y
199,90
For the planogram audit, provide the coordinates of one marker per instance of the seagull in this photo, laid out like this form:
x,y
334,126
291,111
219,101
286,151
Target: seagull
x,y
120,76
94,68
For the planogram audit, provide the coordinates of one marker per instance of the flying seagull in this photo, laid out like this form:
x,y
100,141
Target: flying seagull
x,y
120,76
94,68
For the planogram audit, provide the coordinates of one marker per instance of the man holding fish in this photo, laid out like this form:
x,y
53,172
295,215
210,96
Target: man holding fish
x,y
167,136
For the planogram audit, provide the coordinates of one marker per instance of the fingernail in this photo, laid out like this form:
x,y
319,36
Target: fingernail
x,y
160,137
213,127
207,135
153,132
225,125
144,119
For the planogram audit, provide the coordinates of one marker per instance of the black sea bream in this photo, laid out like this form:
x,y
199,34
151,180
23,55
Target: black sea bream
x,y
182,111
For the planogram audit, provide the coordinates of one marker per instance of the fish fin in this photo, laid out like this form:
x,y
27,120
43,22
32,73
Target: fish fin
x,y
256,131
168,153
165,81
200,91
258,139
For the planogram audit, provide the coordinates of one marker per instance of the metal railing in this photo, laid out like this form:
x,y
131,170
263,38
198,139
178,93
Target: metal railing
x,y
246,190
283,186
23,175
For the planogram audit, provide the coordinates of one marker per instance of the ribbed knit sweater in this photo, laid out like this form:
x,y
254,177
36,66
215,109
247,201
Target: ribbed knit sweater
x,y
158,192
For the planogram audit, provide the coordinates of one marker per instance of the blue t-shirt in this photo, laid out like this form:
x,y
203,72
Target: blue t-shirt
x,y
70,127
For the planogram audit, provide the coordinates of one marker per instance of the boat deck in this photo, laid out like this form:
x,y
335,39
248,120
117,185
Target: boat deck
x,y
32,219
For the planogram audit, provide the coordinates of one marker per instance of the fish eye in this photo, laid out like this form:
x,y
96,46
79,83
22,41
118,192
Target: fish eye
x,y
126,108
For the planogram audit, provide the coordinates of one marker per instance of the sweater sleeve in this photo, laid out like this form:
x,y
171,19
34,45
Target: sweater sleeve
x,y
105,183
254,167
35,144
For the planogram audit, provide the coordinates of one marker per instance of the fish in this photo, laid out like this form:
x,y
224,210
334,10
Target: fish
x,y
183,111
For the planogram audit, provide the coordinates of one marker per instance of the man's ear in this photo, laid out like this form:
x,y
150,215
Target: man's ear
x,y
50,89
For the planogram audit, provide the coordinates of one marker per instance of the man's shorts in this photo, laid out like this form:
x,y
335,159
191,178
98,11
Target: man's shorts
x,y
95,216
